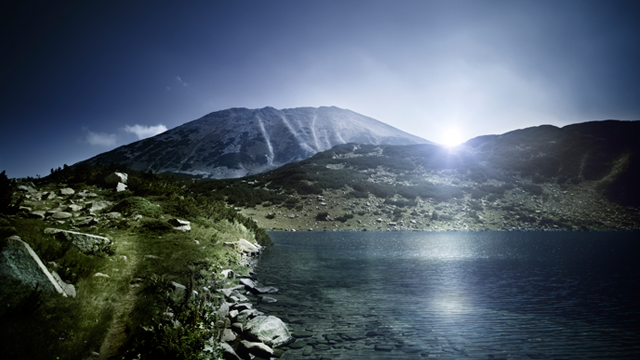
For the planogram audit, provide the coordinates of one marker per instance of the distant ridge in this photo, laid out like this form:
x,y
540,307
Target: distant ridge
x,y
237,142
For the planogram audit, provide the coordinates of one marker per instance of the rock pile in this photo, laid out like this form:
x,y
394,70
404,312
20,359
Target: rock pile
x,y
251,332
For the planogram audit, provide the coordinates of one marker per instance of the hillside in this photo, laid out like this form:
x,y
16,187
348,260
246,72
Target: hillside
x,y
237,142
580,176
163,276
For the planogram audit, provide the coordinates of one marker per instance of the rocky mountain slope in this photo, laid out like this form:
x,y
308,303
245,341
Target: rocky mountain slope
x,y
582,176
237,142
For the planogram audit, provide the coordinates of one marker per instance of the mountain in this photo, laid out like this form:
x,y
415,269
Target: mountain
x,y
581,176
236,142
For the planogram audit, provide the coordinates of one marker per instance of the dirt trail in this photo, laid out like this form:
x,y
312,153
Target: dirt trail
x,y
116,336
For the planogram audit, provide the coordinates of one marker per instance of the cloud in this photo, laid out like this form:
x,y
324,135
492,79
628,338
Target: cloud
x,y
184,83
143,131
99,139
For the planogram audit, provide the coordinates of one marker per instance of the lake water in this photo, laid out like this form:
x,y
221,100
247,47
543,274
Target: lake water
x,y
456,295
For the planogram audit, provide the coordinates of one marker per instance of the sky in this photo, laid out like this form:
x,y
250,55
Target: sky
x,y
78,78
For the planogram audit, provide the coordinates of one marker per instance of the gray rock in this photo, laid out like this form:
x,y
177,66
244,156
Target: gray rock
x,y
98,205
86,243
22,272
74,208
181,225
61,215
266,290
38,214
84,221
67,191
228,335
247,247
267,300
228,274
268,329
121,187
68,289
248,283
115,178
245,315
255,348
228,353
113,215
223,310
26,188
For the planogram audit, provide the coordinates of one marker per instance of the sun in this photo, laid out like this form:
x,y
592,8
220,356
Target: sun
x,y
451,137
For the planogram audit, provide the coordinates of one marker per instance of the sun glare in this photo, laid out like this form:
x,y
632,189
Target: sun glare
x,y
451,137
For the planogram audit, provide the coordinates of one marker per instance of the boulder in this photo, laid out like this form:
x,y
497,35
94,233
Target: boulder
x,y
228,335
86,243
67,191
121,187
269,330
98,205
247,247
228,353
115,178
22,273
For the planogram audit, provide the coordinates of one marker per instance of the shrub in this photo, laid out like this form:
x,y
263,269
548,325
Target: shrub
x,y
322,216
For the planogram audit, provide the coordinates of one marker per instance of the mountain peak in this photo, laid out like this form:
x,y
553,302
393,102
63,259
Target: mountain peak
x,y
238,141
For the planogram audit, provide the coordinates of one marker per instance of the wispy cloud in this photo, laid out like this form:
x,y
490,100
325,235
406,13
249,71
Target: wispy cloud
x,y
99,139
184,83
143,131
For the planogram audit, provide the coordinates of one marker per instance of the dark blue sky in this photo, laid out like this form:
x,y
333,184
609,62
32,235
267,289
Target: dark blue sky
x,y
82,77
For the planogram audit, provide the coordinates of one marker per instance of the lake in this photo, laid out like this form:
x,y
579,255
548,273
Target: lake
x,y
453,295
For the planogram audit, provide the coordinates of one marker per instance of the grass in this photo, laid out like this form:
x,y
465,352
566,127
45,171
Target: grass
x,y
109,314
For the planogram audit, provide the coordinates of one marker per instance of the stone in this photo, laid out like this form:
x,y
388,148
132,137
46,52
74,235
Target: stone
x,y
178,287
113,215
228,274
228,335
223,310
38,214
26,188
266,290
247,247
98,205
245,315
84,221
61,215
121,187
22,273
180,225
101,275
74,208
152,257
67,191
268,329
86,243
228,353
248,283
267,300
255,348
68,289
115,178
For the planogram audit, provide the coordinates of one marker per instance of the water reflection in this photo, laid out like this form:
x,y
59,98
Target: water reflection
x,y
457,294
